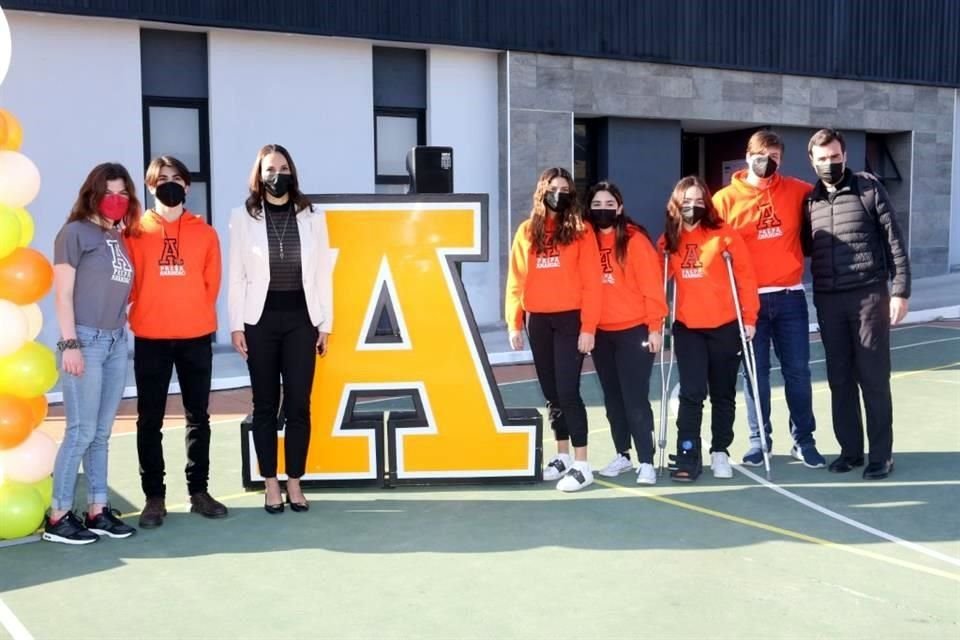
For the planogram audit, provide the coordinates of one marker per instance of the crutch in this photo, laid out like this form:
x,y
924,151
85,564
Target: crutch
x,y
749,361
665,379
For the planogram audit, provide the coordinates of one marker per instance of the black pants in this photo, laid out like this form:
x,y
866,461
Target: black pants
x,y
281,347
553,341
623,364
153,363
855,329
708,361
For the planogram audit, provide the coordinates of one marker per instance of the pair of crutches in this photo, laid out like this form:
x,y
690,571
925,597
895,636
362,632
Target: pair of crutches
x,y
749,361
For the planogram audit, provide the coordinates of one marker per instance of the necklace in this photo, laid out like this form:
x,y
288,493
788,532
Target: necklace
x,y
282,234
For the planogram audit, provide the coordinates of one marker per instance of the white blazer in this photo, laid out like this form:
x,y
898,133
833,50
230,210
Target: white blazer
x,y
249,268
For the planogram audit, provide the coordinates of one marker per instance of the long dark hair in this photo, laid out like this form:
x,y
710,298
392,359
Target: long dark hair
x,y
623,226
569,224
258,192
674,220
94,188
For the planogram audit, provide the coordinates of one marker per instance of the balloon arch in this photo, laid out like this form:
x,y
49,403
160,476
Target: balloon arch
x,y
28,369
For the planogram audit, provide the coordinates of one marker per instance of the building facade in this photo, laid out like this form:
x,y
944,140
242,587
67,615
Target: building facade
x,y
641,93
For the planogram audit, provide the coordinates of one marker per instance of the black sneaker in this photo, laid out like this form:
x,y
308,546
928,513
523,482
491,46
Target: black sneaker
x,y
107,523
68,530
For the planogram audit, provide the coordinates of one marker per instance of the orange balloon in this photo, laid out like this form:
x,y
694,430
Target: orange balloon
x,y
25,276
16,421
38,409
11,133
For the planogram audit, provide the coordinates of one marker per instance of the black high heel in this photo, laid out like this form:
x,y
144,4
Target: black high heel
x,y
299,507
272,509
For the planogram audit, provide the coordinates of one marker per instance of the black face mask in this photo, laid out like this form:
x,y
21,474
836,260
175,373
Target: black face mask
x,y
692,214
558,201
602,218
278,185
171,194
763,166
830,173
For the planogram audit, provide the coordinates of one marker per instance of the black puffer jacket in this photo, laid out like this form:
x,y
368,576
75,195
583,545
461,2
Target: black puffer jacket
x,y
854,242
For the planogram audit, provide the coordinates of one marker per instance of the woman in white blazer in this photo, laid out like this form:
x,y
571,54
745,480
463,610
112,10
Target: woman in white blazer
x,y
281,312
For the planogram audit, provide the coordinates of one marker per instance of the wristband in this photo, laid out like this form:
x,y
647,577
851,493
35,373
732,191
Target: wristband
x,y
72,343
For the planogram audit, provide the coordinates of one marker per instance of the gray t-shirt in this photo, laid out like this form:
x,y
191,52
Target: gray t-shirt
x,y
104,273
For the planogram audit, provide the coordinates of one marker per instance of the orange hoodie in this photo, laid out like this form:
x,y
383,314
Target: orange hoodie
x,y
704,299
632,293
176,277
562,278
768,220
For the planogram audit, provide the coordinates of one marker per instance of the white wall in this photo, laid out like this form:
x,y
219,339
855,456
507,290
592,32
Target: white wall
x,y
462,113
74,85
312,95
955,187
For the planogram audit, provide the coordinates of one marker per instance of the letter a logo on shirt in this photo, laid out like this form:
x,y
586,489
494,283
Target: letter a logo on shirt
x,y
170,262
768,226
606,266
550,257
691,267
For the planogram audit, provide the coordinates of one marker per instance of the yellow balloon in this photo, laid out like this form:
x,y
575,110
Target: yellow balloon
x,y
28,372
9,231
26,226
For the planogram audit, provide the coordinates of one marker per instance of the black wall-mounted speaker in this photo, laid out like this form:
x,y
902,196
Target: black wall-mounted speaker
x,y
430,169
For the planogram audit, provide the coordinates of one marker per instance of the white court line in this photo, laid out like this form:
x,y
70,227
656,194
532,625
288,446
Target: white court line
x,y
12,624
889,537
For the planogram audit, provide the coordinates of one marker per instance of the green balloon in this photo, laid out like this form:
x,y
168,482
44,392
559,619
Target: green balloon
x,y
28,372
21,510
45,489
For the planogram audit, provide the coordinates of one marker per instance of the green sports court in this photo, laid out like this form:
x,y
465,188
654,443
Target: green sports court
x,y
812,555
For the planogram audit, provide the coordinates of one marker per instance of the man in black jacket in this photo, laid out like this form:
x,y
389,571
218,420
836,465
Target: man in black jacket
x,y
856,249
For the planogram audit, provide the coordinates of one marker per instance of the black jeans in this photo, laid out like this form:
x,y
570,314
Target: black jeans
x,y
855,329
553,341
153,363
281,347
708,361
623,364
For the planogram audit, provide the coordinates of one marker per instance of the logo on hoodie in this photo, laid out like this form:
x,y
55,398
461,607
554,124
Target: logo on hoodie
x,y
549,258
606,266
171,264
769,224
691,267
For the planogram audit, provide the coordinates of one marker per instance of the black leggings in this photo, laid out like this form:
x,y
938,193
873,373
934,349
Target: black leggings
x,y
553,341
624,362
708,361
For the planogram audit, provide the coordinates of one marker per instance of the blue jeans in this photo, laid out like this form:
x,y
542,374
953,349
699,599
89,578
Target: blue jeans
x,y
90,402
784,321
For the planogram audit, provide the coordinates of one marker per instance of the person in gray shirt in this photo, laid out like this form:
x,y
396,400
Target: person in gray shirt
x,y
92,276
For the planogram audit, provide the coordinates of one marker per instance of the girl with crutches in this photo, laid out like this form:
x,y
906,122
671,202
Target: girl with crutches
x,y
706,330
628,334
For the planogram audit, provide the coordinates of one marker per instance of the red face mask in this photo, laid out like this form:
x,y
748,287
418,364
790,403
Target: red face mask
x,y
114,206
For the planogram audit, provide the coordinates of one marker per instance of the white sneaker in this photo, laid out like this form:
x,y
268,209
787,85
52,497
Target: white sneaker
x,y
577,478
620,464
646,474
720,463
558,467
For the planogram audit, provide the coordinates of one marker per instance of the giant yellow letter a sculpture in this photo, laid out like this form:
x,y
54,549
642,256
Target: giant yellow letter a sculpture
x,y
398,255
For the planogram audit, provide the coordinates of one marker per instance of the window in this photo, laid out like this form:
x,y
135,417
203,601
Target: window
x,y
879,160
395,132
178,127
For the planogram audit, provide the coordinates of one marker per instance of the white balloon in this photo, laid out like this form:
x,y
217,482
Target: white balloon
x,y
34,320
19,179
5,46
32,460
14,328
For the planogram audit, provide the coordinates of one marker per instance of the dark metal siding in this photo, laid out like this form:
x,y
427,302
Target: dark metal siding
x,y
915,41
